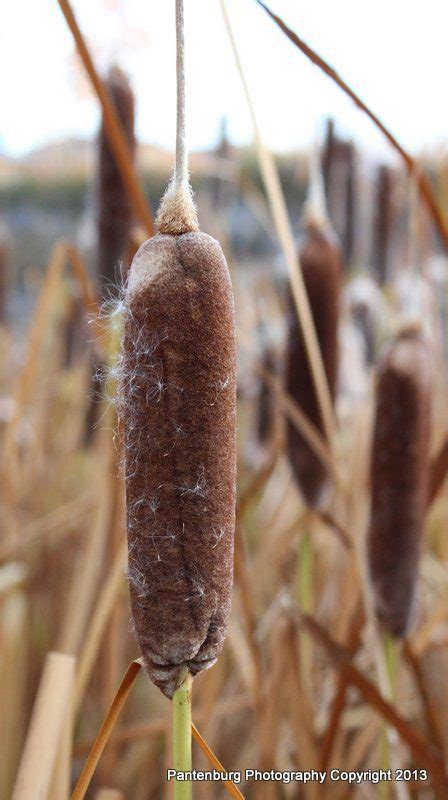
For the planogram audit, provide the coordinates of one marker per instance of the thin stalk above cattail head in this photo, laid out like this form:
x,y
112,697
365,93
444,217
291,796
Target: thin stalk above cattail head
x,y
177,213
399,476
114,206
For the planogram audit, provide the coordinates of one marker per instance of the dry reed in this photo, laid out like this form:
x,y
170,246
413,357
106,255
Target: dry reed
x,y
423,182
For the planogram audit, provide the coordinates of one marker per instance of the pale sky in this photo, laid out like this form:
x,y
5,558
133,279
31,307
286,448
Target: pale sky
x,y
392,51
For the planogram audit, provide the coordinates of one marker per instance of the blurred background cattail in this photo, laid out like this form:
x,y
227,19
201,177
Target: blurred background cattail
x,y
399,476
321,263
115,213
384,215
339,174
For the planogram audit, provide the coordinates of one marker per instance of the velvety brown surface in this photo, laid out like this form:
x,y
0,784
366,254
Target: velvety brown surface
x,y
322,269
178,407
114,208
399,474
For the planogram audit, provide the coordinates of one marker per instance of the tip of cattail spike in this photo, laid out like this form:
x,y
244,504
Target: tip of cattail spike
x,y
315,213
177,213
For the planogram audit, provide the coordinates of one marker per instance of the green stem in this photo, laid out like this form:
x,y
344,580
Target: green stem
x,y
305,588
390,651
390,656
305,598
182,737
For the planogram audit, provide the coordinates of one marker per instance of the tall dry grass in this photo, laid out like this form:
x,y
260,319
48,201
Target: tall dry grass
x,y
297,685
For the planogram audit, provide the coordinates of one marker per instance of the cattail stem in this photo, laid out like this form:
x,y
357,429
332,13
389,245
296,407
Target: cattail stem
x,y
181,170
391,655
177,213
182,760
305,598
390,662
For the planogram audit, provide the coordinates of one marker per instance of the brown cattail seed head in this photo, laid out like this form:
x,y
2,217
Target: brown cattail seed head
x,y
399,475
321,263
114,207
178,410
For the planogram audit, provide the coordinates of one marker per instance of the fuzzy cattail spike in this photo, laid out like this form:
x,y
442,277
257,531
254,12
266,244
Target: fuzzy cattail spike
x,y
178,412
115,210
399,474
321,262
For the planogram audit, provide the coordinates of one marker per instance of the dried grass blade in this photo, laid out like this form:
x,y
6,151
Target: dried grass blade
x,y
421,752
112,124
284,232
422,180
45,729
100,617
14,655
416,669
338,704
90,563
106,730
231,789
36,336
81,273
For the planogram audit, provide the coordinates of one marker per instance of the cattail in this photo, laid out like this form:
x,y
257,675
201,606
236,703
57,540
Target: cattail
x,y
399,476
321,263
339,173
115,211
178,412
384,213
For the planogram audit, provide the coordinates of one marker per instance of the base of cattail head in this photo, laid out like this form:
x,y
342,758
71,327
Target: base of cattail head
x,y
399,477
321,263
177,213
178,412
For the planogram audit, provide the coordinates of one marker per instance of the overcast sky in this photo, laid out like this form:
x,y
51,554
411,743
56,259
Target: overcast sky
x,y
392,51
